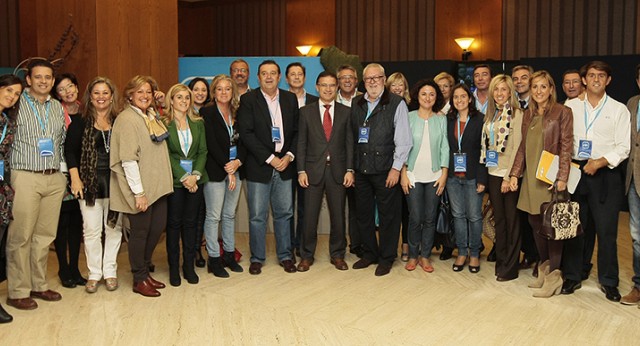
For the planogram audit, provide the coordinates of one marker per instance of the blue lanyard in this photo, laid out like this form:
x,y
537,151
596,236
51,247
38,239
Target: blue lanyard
x,y
479,105
588,125
461,134
4,131
43,126
491,134
185,136
638,118
229,126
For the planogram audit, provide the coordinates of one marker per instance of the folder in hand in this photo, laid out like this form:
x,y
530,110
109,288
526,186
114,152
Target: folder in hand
x,y
547,170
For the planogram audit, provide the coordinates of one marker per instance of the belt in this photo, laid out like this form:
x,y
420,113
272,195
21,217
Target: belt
x,y
45,172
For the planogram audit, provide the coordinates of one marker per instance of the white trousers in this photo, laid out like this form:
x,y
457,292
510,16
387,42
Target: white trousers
x,y
101,263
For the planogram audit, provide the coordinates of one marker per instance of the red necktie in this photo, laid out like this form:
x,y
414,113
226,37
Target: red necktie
x,y
326,122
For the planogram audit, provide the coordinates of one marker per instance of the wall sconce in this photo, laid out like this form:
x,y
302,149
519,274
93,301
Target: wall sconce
x,y
304,50
465,43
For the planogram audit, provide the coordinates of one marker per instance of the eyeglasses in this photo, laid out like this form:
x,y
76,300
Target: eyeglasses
x,y
236,70
325,85
347,78
66,89
374,79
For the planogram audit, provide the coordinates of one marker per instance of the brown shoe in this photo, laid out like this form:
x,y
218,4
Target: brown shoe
x,y
255,268
362,263
339,263
383,269
633,298
48,295
155,283
22,303
145,288
304,265
288,266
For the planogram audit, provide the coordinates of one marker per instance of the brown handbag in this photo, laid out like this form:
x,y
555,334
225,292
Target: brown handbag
x,y
560,217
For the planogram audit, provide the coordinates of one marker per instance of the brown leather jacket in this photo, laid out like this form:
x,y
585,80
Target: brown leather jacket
x,y
558,139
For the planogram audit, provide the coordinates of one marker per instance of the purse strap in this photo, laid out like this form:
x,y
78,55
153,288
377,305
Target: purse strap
x,y
560,196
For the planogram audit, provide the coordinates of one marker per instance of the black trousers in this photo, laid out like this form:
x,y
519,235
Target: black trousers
x,y
68,239
601,197
507,229
354,234
370,188
297,223
146,228
335,202
182,221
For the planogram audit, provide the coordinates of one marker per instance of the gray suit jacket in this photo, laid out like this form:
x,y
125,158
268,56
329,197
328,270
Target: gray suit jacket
x,y
633,166
313,145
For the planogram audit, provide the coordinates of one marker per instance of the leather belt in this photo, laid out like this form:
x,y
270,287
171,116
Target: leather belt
x,y
45,172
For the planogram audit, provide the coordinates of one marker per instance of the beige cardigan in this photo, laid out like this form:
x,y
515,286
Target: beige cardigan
x,y
130,141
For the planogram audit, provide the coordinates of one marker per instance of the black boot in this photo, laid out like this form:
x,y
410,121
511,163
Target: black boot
x,y
4,316
230,261
216,267
200,262
174,275
446,253
190,274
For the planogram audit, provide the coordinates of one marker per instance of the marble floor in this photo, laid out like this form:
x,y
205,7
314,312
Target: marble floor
x,y
327,307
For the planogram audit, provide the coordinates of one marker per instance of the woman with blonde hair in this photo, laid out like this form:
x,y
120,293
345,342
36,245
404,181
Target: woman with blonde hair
x,y
141,177
445,82
225,157
397,84
547,125
501,138
87,149
187,154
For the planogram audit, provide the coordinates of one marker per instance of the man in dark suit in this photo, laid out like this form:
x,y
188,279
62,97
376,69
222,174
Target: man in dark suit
x,y
296,76
325,163
268,127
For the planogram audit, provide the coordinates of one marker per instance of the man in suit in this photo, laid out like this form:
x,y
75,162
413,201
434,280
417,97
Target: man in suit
x,y
381,131
632,189
295,74
268,127
325,163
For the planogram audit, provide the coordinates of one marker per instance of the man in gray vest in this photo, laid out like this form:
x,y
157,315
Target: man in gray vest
x,y
383,141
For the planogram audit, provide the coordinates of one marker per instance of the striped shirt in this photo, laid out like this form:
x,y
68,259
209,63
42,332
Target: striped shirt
x,y
26,153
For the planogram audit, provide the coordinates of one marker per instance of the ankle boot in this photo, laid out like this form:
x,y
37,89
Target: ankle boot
x,y
230,261
200,262
552,285
543,271
216,267
174,275
189,274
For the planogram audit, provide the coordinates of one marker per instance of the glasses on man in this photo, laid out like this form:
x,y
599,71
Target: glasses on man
x,y
373,79
236,70
66,89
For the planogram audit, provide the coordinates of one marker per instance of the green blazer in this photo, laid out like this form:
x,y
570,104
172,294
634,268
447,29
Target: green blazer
x,y
197,152
438,142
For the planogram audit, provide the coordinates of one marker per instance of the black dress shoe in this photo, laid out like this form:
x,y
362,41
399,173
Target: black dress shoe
x,y
200,262
4,316
383,269
255,268
569,286
611,293
362,263
68,283
491,257
80,281
446,253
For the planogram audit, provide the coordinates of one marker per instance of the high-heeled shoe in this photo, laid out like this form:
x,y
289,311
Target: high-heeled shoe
x,y
4,316
474,269
459,267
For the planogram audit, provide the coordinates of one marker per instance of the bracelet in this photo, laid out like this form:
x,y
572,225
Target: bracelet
x,y
138,195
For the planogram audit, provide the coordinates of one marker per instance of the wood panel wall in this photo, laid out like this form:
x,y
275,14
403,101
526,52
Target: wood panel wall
x,y
383,30
9,39
310,22
542,28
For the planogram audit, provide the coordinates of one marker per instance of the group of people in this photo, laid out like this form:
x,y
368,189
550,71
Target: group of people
x,y
176,161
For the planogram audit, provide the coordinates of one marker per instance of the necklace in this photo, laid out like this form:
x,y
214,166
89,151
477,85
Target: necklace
x,y
106,141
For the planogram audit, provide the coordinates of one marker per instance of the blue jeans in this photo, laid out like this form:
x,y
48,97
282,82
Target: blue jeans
x,y
466,208
634,228
277,193
221,205
423,213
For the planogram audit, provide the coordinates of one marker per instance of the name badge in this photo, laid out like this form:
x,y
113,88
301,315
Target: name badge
x,y
187,165
584,149
1,170
459,162
45,147
492,158
363,135
275,134
233,152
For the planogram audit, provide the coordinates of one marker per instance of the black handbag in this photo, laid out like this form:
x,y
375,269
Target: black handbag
x,y
560,217
444,224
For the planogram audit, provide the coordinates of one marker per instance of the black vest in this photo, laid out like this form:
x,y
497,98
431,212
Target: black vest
x,y
376,156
